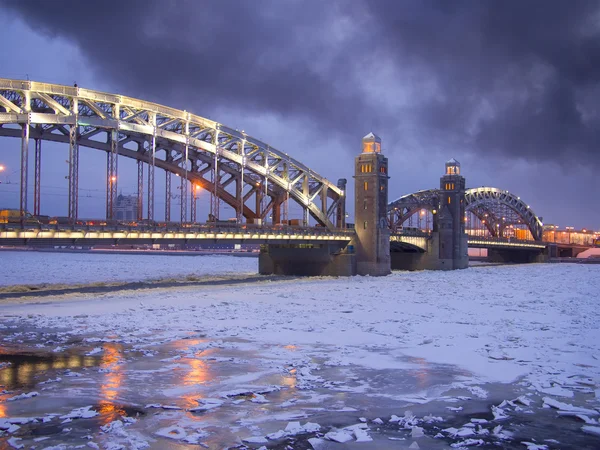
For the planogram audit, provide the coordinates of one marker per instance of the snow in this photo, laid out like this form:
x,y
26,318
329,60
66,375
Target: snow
x,y
339,436
22,396
535,324
529,313
81,413
32,268
591,430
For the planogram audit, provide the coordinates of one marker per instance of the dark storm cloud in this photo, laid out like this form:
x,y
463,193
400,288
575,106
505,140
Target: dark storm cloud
x,y
522,74
503,78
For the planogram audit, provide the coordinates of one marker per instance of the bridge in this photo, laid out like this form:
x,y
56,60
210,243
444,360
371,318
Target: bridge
x,y
427,229
483,217
255,179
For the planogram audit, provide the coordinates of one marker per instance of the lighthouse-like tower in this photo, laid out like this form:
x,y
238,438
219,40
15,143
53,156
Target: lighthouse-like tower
x,y
453,250
370,207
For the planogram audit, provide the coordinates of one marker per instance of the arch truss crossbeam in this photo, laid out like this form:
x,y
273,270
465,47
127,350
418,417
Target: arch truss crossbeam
x,y
231,165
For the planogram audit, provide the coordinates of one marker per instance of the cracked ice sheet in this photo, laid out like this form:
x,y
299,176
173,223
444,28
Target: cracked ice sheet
x,y
499,323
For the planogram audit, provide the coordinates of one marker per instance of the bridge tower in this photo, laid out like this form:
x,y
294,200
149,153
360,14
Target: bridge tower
x,y
370,209
453,247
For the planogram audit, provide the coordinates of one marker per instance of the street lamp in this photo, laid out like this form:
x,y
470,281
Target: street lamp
x,y
2,168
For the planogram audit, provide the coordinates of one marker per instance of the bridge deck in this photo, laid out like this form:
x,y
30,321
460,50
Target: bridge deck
x,y
17,234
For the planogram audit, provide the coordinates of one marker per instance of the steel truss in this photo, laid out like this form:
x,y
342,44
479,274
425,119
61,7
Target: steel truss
x,y
495,208
217,157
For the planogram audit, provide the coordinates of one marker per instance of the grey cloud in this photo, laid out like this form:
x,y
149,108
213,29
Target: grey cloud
x,y
507,78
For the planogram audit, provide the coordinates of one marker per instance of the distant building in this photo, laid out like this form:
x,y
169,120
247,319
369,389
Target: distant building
x,y
126,208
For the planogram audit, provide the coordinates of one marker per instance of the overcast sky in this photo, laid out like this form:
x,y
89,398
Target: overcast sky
x,y
509,88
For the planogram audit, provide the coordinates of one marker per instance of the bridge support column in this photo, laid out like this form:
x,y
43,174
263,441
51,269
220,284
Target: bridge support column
x,y
515,256
167,196
215,179
24,169
193,204
276,211
340,219
73,173
140,191
37,175
151,166
184,185
111,174
453,249
306,260
183,194
370,191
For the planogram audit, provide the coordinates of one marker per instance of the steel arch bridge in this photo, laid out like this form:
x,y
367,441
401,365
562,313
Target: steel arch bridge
x,y
247,174
496,209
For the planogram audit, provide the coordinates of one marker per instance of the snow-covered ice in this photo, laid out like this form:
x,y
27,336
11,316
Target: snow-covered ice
x,y
533,324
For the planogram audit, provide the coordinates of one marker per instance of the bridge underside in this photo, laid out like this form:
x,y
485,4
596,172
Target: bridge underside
x,y
517,255
424,254
302,260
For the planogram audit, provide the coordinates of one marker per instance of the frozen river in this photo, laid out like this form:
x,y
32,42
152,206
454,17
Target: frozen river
x,y
489,357
33,267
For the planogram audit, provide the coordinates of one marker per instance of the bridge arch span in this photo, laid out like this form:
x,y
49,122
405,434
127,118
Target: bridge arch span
x,y
495,208
222,160
403,208
491,205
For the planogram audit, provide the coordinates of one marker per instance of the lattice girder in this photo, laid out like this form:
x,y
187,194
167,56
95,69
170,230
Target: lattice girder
x,y
138,120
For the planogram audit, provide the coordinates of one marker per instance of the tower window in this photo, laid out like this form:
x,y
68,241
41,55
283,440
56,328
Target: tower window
x,y
366,185
449,200
365,204
365,224
382,188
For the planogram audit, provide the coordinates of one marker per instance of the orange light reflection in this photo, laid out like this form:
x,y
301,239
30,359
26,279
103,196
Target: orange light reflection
x,y
422,373
109,390
199,373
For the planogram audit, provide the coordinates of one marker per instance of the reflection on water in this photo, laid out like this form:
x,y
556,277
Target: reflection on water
x,y
422,374
111,365
199,369
290,381
22,369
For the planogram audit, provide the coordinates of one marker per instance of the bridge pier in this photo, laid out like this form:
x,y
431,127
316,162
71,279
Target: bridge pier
x,y
370,209
447,245
429,258
306,260
517,256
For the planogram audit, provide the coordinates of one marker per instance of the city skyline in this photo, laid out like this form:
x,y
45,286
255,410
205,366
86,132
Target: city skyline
x,y
314,98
